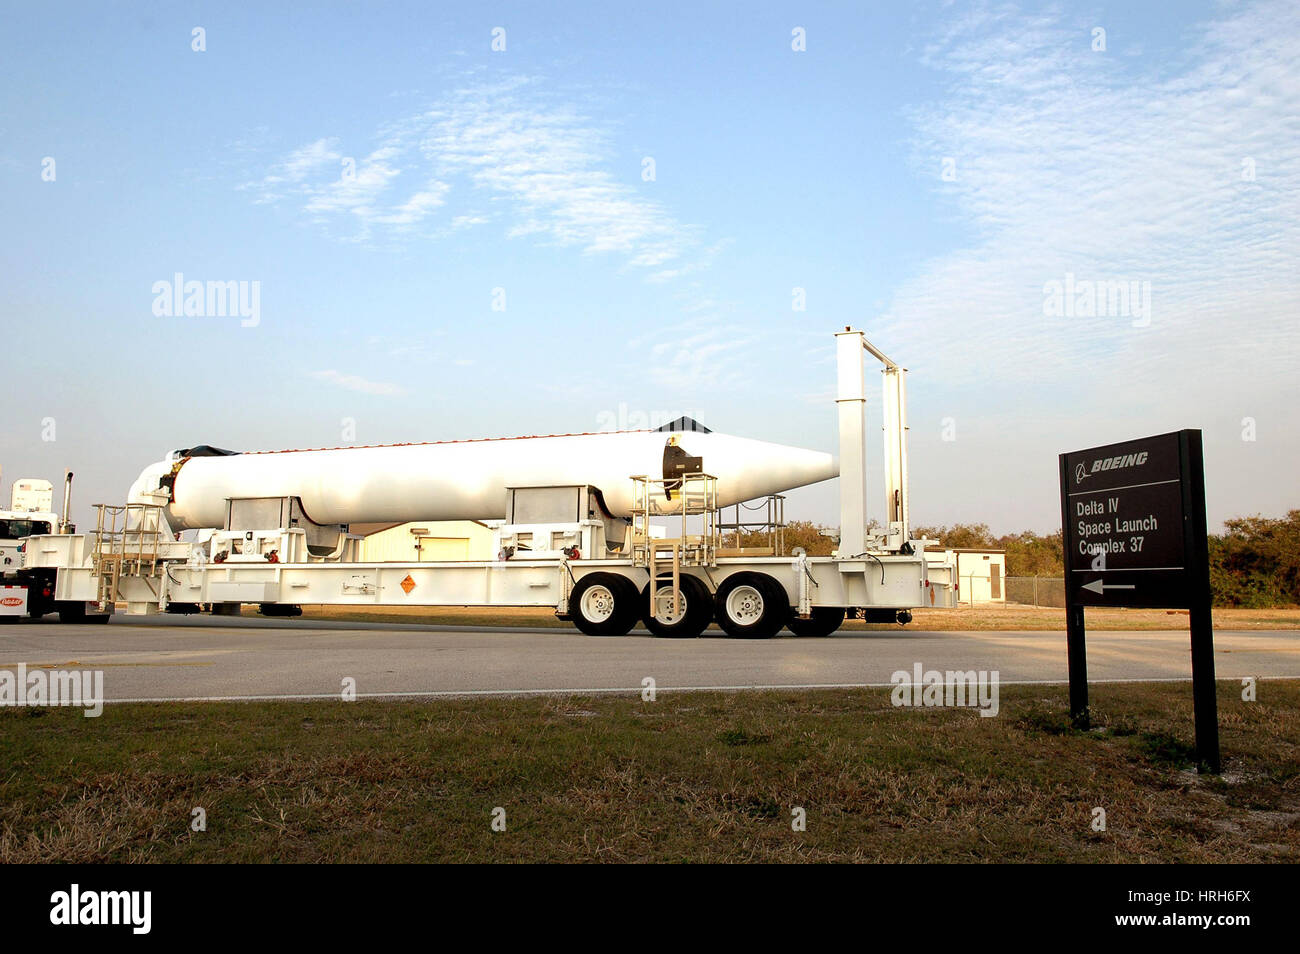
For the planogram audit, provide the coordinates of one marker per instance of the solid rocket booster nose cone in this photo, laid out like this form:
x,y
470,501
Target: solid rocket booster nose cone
x,y
748,469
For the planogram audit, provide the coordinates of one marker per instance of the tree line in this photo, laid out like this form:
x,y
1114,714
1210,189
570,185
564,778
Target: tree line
x,y
1254,563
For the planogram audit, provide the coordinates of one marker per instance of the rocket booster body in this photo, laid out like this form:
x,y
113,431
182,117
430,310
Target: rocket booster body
x,y
467,480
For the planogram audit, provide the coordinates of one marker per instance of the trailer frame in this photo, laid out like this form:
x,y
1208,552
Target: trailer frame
x,y
881,576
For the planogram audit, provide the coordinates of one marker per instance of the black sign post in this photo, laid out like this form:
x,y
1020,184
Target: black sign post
x,y
1135,535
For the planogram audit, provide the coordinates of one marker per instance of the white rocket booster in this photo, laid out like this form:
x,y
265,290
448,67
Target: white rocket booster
x,y
467,480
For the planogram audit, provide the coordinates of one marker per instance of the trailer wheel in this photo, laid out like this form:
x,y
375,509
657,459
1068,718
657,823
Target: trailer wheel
x,y
751,606
604,604
76,613
825,620
693,617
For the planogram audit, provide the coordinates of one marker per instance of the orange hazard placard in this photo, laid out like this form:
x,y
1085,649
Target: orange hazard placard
x,y
408,584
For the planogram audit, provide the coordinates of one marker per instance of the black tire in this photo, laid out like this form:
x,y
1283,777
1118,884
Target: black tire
x,y
698,609
76,613
605,604
900,616
751,606
72,613
825,620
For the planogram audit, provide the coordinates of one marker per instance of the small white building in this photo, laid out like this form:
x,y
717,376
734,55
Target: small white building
x,y
979,574
428,541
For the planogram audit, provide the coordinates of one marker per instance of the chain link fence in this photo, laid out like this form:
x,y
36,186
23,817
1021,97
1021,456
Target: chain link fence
x,y
1036,590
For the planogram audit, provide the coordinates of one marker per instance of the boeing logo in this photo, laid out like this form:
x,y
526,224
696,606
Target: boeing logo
x,y
1110,463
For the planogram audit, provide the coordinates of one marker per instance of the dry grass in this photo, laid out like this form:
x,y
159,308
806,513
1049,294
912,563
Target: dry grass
x,y
1011,617
691,777
1017,617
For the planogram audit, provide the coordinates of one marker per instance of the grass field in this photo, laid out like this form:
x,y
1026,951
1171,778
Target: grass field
x,y
689,777
1012,617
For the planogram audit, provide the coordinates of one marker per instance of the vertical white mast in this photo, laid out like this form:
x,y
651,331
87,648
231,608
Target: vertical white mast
x,y
851,400
895,431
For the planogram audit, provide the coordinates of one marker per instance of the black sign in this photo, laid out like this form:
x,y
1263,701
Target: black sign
x,y
1124,524
1135,535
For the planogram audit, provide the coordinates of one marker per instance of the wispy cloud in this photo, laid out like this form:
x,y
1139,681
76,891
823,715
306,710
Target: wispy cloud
x,y
353,382
1111,167
504,153
365,193
292,173
690,356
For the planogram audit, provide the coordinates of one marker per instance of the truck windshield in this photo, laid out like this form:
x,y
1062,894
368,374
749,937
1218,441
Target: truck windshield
x,y
13,529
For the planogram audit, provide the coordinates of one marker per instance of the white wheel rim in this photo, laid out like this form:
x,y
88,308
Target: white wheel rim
x,y
745,605
663,599
598,604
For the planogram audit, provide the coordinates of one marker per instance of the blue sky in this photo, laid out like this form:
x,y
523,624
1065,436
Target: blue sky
x,y
775,169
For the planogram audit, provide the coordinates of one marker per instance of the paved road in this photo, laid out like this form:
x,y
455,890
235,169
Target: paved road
x,y
205,657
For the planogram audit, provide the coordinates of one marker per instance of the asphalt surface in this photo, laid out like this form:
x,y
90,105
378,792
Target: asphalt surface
x,y
214,657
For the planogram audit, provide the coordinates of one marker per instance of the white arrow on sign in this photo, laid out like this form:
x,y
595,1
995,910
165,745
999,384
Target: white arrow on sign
x,y
1097,586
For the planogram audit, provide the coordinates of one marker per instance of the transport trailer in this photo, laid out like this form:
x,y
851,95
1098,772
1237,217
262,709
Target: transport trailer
x,y
603,546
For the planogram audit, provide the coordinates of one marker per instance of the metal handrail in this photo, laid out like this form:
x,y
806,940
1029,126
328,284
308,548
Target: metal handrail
x,y
692,495
130,549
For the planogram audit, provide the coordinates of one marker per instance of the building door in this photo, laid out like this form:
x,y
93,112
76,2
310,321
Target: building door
x,y
995,581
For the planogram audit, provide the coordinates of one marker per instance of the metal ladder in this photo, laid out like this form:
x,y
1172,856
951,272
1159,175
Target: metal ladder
x,y
692,495
127,541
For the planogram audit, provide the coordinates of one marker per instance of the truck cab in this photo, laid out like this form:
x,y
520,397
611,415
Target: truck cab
x,y
30,591
14,526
